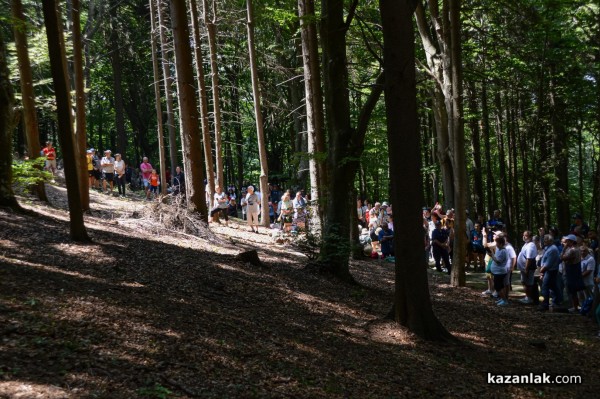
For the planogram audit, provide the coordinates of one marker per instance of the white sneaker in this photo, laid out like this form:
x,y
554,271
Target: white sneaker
x,y
486,293
526,301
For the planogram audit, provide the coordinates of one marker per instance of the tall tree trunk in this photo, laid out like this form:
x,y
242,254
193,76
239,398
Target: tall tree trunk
x,y
157,102
208,159
412,303
458,278
211,29
80,128
262,151
115,60
561,153
58,66
27,92
438,62
491,194
188,107
502,161
314,107
7,125
476,148
346,144
168,83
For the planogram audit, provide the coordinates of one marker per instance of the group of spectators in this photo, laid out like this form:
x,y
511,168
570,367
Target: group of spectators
x,y
377,228
285,214
104,172
563,266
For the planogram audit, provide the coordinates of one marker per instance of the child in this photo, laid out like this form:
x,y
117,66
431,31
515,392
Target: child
x,y
154,183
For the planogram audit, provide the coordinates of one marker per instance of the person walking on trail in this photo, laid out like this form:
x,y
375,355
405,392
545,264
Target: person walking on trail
x,y
108,171
252,209
50,153
146,171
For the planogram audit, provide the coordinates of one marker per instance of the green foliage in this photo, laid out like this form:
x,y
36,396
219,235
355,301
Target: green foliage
x,y
28,173
155,391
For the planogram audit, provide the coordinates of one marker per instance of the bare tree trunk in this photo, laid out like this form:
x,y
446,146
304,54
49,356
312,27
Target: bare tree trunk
x,y
211,28
208,159
412,303
80,128
168,83
27,91
7,125
159,121
115,59
58,65
476,148
190,130
561,153
314,114
262,151
458,278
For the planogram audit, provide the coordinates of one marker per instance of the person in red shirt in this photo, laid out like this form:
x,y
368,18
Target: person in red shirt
x,y
146,170
50,153
154,181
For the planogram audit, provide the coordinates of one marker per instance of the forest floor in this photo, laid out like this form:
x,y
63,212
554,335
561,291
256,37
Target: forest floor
x,y
137,314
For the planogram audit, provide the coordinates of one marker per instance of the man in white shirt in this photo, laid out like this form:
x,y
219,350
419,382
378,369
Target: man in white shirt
x,y
527,266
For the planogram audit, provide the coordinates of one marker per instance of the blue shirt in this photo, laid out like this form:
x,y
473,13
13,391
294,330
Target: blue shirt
x,y
499,265
551,258
387,245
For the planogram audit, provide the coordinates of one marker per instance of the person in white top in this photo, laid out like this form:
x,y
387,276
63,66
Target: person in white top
x,y
220,204
527,266
108,170
252,208
120,168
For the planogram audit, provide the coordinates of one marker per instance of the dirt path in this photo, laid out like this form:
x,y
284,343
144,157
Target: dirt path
x,y
140,315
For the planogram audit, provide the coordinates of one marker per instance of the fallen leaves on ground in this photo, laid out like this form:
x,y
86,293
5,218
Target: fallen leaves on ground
x,y
142,315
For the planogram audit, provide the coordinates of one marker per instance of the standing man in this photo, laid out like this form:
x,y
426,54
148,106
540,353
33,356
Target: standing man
x,y
440,246
146,171
50,153
527,266
108,171
549,274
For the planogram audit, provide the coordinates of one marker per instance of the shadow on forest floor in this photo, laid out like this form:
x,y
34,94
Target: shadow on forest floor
x,y
130,316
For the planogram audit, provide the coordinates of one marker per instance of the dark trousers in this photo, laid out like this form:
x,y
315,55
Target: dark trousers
x,y
222,210
550,284
440,254
121,184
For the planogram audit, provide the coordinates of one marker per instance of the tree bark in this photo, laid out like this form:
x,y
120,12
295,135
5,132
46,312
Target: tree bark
x,y
80,127
476,148
168,84
157,102
58,66
211,29
457,134
115,59
412,304
27,92
262,151
7,125
314,107
190,130
208,159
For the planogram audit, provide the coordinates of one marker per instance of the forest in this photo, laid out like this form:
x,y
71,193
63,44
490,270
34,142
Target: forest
x,y
474,105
